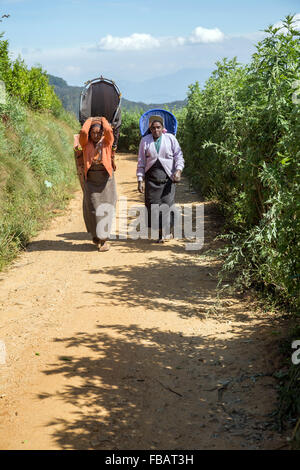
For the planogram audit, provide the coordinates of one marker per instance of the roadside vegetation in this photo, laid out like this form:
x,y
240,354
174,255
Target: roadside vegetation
x,y
241,144
37,171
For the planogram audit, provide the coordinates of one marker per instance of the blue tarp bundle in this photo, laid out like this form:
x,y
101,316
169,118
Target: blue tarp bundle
x,y
170,121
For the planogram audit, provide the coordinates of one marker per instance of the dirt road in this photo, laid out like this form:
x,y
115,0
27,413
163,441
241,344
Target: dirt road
x,y
131,349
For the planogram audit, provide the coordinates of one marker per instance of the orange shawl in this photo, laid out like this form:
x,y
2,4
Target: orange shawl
x,y
88,148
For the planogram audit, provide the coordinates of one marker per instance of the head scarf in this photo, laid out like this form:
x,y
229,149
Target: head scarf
x,y
154,119
96,124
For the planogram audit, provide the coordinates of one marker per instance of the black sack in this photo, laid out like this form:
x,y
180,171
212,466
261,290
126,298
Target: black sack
x,y
102,97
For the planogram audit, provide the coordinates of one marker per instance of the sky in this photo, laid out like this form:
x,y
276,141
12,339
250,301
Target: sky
x,y
153,50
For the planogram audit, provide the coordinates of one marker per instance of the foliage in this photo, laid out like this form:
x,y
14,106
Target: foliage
x,y
5,62
241,144
180,114
35,150
130,132
30,86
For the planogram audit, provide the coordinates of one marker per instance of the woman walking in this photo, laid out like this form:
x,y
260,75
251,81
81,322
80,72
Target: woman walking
x,y
160,164
99,187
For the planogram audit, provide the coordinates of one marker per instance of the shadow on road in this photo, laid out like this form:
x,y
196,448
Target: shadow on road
x,y
148,389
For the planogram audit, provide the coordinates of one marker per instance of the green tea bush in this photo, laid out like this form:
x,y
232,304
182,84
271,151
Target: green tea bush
x,y
241,144
130,133
30,86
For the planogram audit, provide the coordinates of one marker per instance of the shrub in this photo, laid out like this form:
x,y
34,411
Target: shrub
x,y
130,133
241,144
35,148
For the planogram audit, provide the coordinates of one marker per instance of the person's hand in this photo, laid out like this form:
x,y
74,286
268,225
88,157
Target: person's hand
x,y
77,152
141,186
177,176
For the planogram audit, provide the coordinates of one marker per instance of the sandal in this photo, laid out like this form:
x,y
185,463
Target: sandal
x,y
103,245
168,237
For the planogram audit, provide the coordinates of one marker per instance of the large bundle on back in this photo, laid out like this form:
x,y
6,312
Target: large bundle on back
x,y
102,97
99,97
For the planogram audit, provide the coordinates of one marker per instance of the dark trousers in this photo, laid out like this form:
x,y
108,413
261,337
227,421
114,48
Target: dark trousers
x,y
159,189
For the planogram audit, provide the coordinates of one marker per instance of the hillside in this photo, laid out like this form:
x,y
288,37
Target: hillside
x,y
37,172
70,95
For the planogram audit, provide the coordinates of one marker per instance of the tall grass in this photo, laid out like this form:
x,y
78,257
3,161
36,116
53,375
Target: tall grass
x,y
37,172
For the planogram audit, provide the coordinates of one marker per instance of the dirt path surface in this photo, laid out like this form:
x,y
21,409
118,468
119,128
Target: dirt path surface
x,y
131,349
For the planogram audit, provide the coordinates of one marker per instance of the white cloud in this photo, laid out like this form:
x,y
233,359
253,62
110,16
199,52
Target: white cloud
x,y
74,69
260,35
9,2
173,41
296,25
139,41
203,35
37,54
253,37
135,42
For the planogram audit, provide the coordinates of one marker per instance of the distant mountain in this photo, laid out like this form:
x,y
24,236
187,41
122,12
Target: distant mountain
x,y
70,95
140,106
166,88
